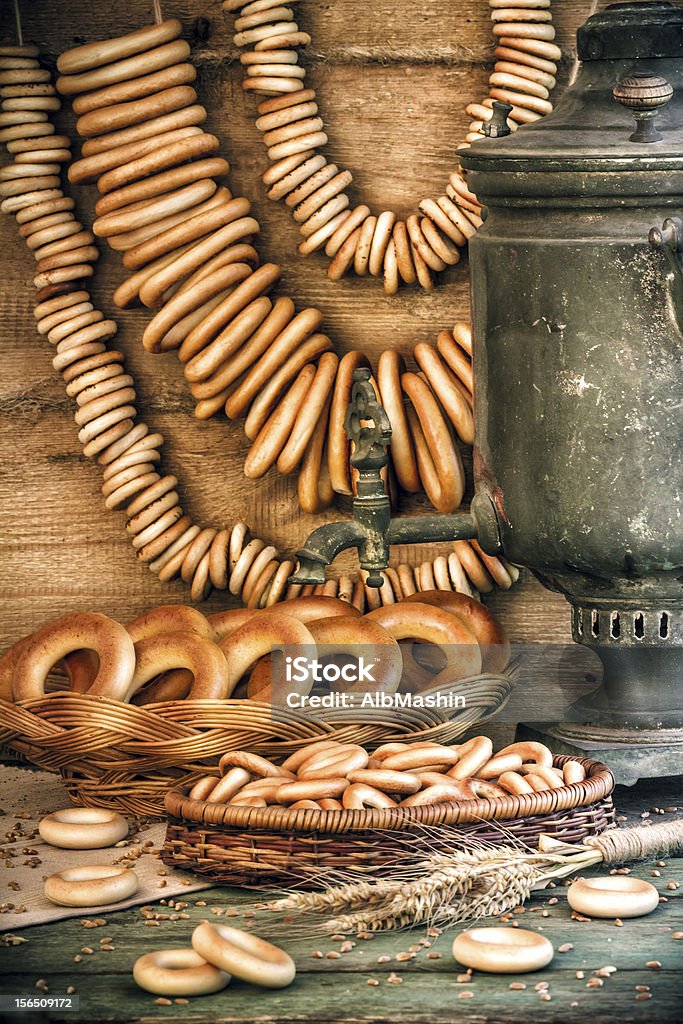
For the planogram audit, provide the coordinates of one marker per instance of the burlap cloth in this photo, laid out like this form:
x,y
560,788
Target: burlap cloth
x,y
26,796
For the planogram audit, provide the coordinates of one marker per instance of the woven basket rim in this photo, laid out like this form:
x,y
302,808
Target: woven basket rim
x,y
190,717
507,677
598,784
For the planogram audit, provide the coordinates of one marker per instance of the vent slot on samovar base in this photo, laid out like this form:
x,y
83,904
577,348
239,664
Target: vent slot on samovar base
x,y
631,721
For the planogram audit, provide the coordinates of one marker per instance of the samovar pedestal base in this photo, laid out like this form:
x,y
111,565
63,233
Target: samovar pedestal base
x,y
631,754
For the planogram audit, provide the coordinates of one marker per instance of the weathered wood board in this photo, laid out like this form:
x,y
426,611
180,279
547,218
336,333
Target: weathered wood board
x,y
393,79
336,990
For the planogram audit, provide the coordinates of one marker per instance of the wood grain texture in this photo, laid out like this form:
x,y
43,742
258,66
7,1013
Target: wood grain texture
x,y
396,126
336,991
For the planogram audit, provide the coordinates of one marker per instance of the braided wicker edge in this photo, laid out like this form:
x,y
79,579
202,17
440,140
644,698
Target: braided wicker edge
x,y
258,859
91,735
598,784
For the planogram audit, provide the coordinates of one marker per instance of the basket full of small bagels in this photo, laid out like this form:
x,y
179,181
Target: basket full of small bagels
x,y
334,805
125,712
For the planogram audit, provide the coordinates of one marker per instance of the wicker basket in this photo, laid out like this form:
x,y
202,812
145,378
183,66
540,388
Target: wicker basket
x,y
267,846
125,757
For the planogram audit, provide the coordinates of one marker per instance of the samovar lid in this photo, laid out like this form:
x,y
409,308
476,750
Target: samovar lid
x,y
624,111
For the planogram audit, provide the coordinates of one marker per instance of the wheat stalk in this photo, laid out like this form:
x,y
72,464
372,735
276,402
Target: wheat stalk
x,y
476,879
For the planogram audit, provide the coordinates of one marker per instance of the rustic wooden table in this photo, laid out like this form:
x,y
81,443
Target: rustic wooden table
x,y
336,989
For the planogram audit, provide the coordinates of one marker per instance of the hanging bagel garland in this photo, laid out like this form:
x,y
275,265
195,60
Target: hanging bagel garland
x,y
241,353
118,85
381,245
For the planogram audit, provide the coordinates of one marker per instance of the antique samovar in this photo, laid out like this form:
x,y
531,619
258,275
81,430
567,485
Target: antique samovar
x,y
577,300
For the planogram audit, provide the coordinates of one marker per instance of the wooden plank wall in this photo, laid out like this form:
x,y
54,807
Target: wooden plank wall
x,y
393,78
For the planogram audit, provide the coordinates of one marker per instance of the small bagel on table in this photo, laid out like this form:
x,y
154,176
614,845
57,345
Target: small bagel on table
x,y
96,885
243,955
178,972
83,828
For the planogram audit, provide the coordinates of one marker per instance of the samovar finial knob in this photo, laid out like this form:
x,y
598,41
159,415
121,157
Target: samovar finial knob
x,y
643,93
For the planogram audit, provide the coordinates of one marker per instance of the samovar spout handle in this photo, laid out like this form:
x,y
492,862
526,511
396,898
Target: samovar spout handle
x,y
669,241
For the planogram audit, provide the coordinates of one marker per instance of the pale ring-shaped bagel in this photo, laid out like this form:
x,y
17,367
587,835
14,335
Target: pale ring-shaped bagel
x,y
359,795
295,760
494,644
389,370
168,618
612,896
394,747
311,789
248,801
552,776
225,623
356,636
74,632
447,792
8,663
93,55
83,828
386,781
419,757
503,950
178,972
259,766
438,457
202,787
244,647
530,750
324,754
456,403
244,955
220,791
334,765
416,621
264,789
499,765
573,771
337,440
514,783
166,651
472,755
96,885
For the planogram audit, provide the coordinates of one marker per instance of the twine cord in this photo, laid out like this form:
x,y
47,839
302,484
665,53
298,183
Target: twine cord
x,y
17,21
457,56
158,16
620,845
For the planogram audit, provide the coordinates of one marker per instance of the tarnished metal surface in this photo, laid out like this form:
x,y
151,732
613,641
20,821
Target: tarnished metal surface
x,y
579,361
